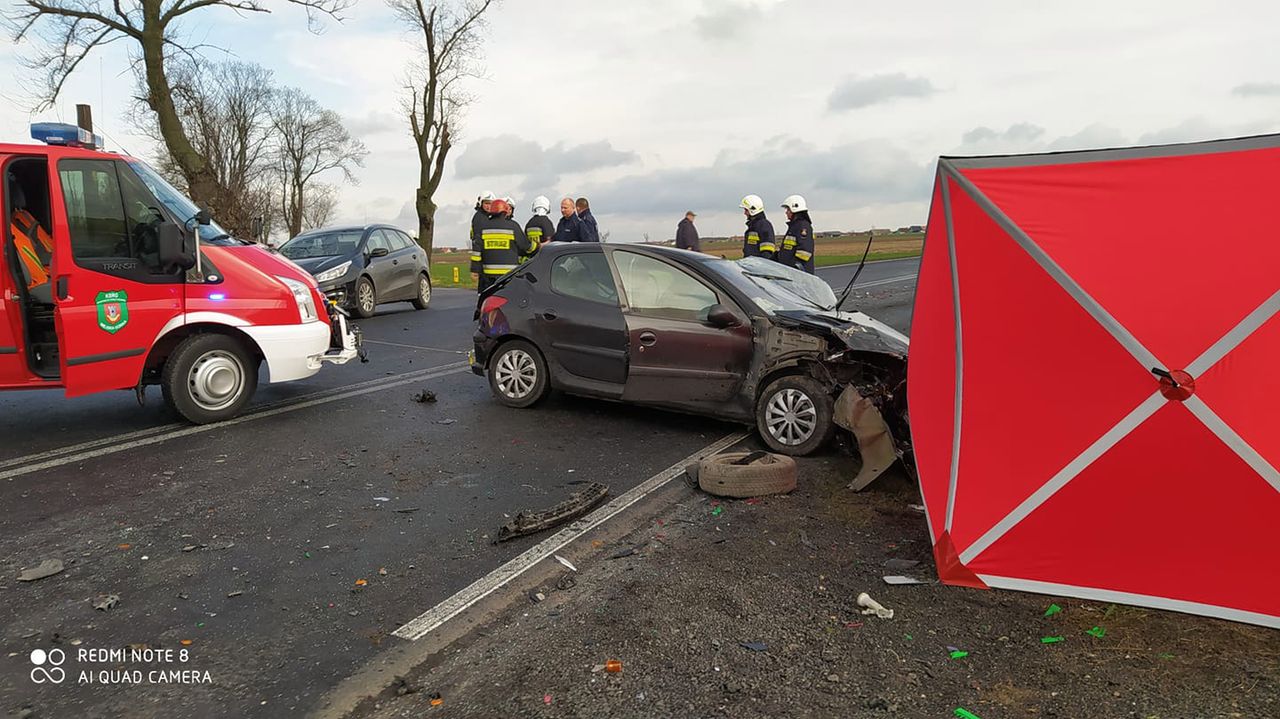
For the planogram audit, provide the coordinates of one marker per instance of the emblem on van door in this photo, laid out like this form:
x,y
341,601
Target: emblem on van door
x,y
113,310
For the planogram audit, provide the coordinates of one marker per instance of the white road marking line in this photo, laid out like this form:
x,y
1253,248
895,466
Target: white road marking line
x,y
438,615
117,446
137,434
413,347
886,281
870,262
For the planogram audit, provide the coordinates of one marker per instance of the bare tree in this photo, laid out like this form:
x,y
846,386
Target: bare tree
x,y
318,206
310,141
225,111
450,52
68,31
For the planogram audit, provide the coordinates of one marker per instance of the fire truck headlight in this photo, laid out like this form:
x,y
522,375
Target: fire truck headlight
x,y
302,296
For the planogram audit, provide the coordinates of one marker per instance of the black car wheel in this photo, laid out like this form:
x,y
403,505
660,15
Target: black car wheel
x,y
423,298
794,415
366,300
518,375
209,378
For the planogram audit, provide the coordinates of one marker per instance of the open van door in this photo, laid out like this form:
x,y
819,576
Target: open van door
x,y
112,296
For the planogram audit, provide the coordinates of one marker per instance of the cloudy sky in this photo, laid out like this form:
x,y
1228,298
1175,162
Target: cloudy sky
x,y
651,108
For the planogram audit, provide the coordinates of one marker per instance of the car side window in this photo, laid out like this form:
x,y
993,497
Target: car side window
x,y
376,240
656,288
408,241
584,275
394,240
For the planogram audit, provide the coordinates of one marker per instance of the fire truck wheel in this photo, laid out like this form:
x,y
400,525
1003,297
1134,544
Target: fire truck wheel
x,y
209,378
423,298
366,299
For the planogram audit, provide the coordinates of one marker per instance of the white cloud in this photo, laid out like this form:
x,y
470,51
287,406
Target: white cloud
x,y
1257,89
856,92
512,156
728,20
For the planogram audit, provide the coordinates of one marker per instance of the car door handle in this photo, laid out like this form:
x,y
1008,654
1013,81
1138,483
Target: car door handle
x,y
395,262
549,315
648,339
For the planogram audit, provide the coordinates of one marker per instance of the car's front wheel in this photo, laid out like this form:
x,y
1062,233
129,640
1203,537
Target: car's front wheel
x,y
518,374
794,415
366,301
209,378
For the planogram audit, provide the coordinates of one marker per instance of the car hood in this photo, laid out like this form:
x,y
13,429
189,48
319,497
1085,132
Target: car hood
x,y
316,265
856,330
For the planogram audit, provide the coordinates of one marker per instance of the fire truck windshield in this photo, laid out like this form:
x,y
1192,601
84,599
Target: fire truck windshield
x,y
178,204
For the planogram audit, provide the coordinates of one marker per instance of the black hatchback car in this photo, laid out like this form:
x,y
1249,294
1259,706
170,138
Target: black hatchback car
x,y
747,340
362,267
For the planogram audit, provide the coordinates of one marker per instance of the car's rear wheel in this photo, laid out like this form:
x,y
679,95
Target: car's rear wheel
x,y
423,298
209,378
518,374
794,415
366,301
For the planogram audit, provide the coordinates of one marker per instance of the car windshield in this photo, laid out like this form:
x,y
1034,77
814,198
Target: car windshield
x,y
322,244
178,204
776,288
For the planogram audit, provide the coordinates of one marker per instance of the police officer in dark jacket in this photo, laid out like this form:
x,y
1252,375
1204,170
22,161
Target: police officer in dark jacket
x,y
590,231
539,229
499,243
797,245
758,240
569,228
687,234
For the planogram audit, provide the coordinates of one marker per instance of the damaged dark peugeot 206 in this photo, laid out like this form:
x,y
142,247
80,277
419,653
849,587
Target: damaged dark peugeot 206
x,y
747,340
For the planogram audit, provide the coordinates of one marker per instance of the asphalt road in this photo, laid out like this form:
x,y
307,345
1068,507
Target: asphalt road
x,y
286,546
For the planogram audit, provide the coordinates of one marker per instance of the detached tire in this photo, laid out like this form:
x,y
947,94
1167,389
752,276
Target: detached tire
x,y
518,375
209,378
794,415
423,297
724,476
365,303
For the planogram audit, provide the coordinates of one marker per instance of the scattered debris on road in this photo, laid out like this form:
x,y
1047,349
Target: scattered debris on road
x,y
1052,610
627,552
105,602
234,594
529,522
426,396
871,606
862,418
897,579
566,563
47,568
754,646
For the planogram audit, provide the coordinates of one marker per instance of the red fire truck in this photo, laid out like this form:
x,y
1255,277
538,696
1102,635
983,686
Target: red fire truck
x,y
112,279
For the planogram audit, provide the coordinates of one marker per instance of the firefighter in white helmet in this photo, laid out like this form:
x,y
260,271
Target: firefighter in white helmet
x,y
482,213
758,240
797,245
539,229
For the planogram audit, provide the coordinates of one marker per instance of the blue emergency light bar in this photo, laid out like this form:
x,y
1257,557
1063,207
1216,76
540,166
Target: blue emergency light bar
x,y
61,133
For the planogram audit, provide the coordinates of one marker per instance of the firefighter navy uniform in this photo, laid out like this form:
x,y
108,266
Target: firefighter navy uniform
x,y
540,231
498,246
797,245
759,241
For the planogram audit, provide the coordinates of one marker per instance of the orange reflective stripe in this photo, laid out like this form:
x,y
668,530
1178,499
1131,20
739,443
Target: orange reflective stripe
x,y
35,269
32,229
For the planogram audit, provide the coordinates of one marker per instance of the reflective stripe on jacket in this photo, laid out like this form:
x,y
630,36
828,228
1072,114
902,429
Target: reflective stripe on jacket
x,y
498,246
797,245
758,240
34,246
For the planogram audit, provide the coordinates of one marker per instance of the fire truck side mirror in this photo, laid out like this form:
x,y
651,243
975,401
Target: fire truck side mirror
x,y
173,250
